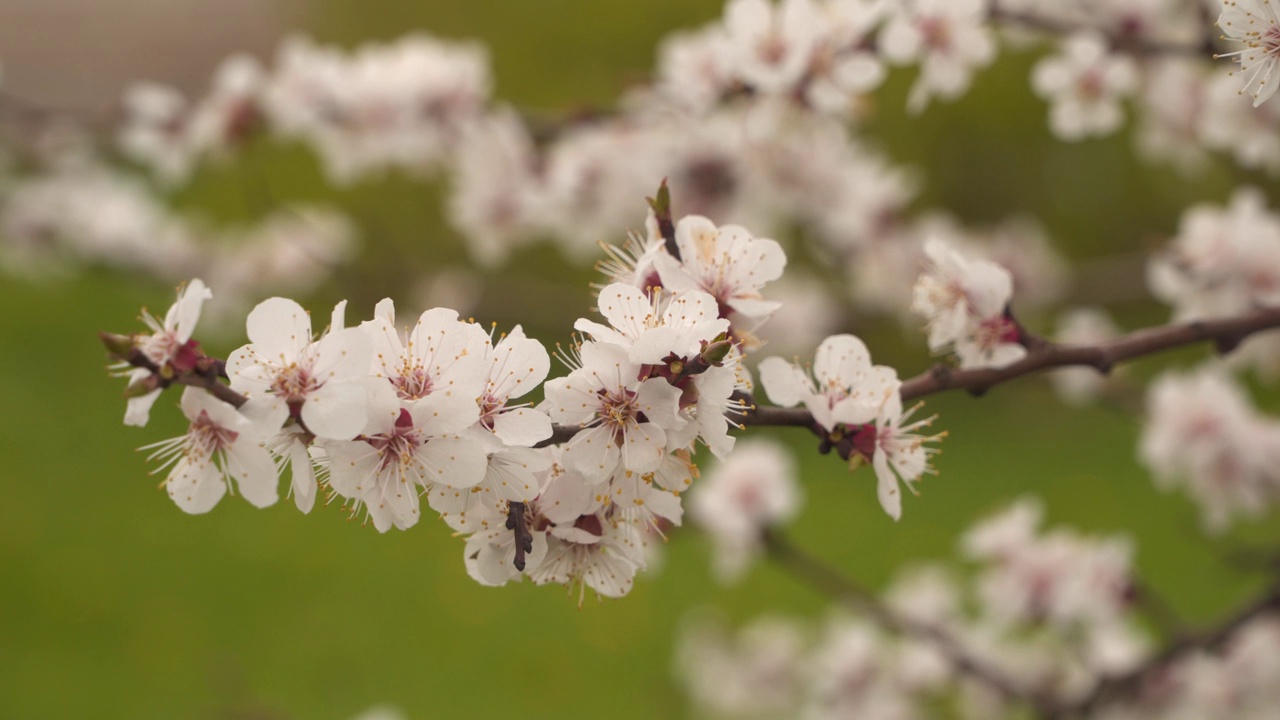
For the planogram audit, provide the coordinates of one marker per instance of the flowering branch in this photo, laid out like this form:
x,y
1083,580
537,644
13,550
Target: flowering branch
x,y
834,584
1121,686
1123,42
840,587
1225,334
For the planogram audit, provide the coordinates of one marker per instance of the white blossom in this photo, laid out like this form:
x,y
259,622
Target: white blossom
x,y
744,495
947,37
624,418
727,262
169,344
283,371
1256,23
1084,85
848,390
965,302
220,445
1203,435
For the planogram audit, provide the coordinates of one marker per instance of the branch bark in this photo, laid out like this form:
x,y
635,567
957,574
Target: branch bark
x,y
1224,333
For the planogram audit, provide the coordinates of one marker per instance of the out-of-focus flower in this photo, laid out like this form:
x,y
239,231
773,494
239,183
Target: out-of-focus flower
x,y
743,496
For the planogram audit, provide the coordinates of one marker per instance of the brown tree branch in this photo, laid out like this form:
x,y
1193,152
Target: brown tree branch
x,y
1224,333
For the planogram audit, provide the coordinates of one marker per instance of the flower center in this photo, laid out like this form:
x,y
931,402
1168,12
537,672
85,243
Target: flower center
x,y
294,383
996,330
489,407
400,445
617,411
412,383
937,36
207,437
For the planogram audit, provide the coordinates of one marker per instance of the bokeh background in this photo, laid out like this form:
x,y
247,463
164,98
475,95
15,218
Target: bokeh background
x,y
114,604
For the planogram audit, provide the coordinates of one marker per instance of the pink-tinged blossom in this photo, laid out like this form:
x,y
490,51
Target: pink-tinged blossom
x,y
1247,133
152,130
515,366
221,445
1084,85
860,406
442,360
947,37
1256,23
1173,103
495,191
845,388
897,450
695,68
964,302
744,495
706,403
169,344
655,326
843,67
289,447
489,555
594,552
404,448
1202,435
1223,261
166,132
396,104
624,419
1083,326
284,372
727,262
772,45
759,671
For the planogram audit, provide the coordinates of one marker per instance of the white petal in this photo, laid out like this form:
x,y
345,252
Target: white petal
x,y
456,462
785,383
522,426
254,473
841,360
304,477
138,409
196,487
593,453
887,486
279,328
644,448
338,410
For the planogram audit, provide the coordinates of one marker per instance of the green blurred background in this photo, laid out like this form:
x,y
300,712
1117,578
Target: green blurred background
x,y
114,604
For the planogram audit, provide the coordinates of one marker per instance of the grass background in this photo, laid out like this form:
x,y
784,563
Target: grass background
x,y
113,604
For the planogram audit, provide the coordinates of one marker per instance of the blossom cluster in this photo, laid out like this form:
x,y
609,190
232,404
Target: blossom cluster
x,y
89,213
1202,434
1051,611
858,406
568,490
749,117
1223,261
